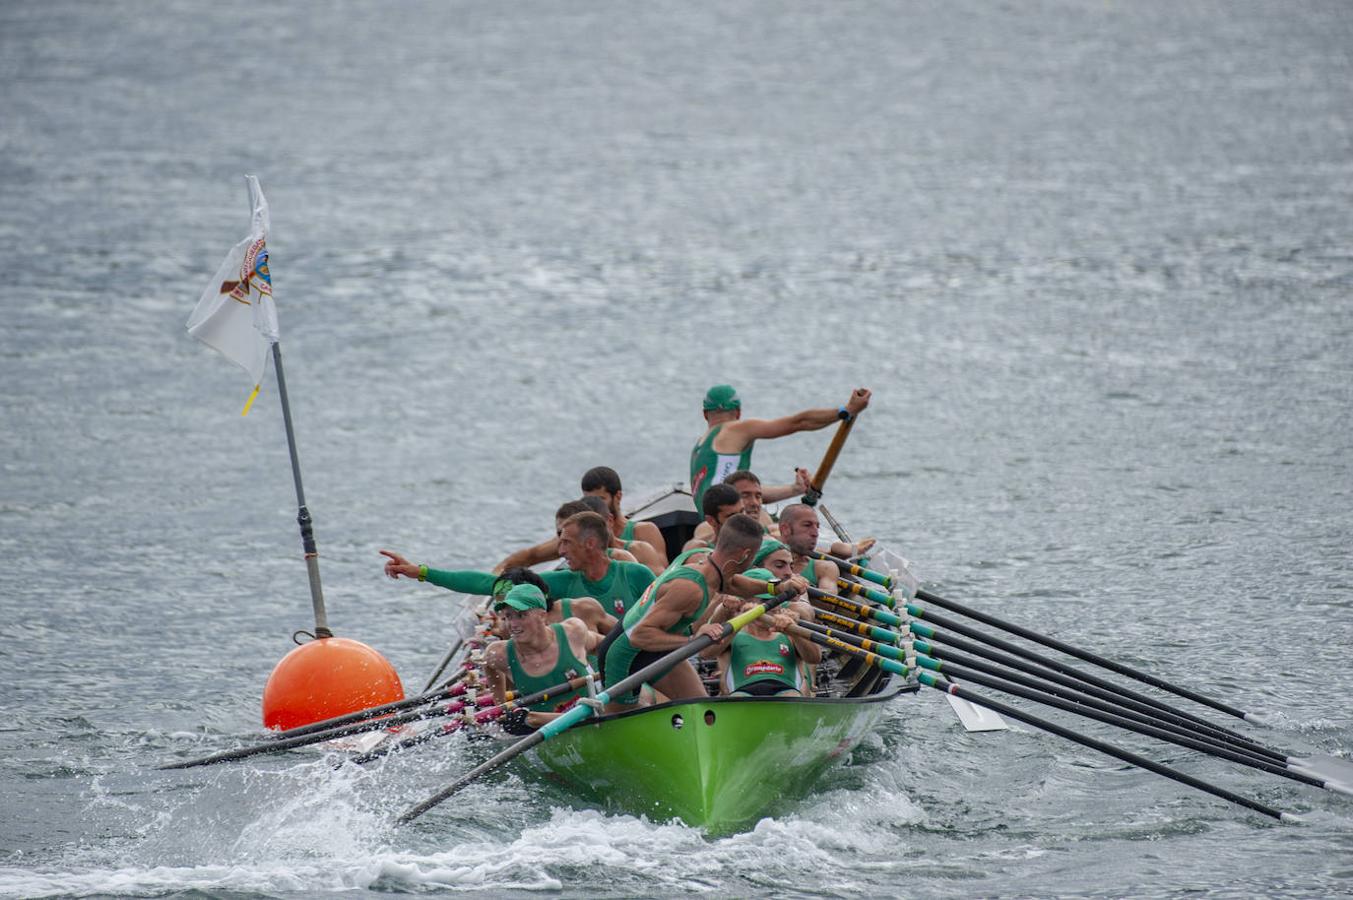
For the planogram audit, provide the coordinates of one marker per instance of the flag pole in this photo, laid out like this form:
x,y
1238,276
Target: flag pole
x,y
303,515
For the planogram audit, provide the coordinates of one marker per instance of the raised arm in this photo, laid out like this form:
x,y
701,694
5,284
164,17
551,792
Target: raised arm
x,y
529,556
748,430
774,493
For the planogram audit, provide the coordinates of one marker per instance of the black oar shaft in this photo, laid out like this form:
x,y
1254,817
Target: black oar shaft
x,y
1120,697
363,715
1135,759
540,696
862,610
329,734
1090,708
1077,652
1065,669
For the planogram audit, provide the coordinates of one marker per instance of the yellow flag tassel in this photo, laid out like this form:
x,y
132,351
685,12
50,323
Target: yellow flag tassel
x,y
250,402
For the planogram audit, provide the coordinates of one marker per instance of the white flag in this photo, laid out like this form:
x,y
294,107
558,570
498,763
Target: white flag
x,y
236,315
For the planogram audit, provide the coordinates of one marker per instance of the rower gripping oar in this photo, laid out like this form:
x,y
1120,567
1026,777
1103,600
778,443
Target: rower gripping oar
x,y
590,707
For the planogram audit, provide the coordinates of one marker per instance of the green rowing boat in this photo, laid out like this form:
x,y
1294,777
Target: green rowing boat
x,y
717,763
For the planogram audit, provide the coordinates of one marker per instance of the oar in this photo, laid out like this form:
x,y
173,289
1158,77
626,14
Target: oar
x,y
875,647
446,660
1085,655
862,611
848,567
452,688
1324,767
869,658
584,710
814,492
1090,685
872,632
479,718
930,679
1036,637
276,746
1089,707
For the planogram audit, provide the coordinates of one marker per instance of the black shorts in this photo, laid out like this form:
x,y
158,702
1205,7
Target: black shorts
x,y
641,659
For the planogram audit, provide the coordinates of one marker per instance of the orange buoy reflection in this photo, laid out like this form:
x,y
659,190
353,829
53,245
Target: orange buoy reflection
x,y
326,678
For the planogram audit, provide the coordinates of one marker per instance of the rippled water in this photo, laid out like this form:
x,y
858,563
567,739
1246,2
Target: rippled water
x,y
1094,260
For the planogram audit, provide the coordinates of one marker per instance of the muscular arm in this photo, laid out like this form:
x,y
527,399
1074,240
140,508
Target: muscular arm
x,y
675,600
594,614
738,434
827,573
529,556
495,667
645,553
652,535
582,640
776,492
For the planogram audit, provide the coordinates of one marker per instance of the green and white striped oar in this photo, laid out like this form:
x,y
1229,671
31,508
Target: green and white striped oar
x,y
585,710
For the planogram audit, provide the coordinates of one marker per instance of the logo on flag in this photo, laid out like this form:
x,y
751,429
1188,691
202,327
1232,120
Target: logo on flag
x,y
235,315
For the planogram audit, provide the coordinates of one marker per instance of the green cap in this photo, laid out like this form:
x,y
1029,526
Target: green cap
x,y
768,546
760,575
722,397
522,598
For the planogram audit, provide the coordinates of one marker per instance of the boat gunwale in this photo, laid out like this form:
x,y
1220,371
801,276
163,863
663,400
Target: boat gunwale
x,y
888,693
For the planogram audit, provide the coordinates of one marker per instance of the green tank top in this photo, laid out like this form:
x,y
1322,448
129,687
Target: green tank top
x,y
809,572
627,533
567,667
753,659
687,554
709,467
645,604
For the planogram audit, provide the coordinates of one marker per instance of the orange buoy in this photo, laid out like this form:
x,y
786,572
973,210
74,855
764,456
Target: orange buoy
x,y
326,678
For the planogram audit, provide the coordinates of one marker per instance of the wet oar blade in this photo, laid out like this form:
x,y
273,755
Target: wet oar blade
x,y
975,718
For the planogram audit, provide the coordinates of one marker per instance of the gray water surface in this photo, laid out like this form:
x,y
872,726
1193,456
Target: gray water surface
x,y
1093,258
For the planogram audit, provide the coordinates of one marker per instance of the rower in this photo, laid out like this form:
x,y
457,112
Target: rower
x,y
721,503
547,551
537,655
799,531
678,605
604,482
764,659
726,446
583,537
592,613
640,550
775,557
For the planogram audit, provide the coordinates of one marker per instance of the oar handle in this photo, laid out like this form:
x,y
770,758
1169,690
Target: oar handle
x,y
814,492
849,568
871,659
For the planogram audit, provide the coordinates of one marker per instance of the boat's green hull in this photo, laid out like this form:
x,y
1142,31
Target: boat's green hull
x,y
719,763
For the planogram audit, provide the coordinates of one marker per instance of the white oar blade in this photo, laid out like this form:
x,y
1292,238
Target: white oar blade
x,y
973,717
1330,769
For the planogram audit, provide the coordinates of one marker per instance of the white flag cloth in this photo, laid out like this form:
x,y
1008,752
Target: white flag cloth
x,y
236,315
